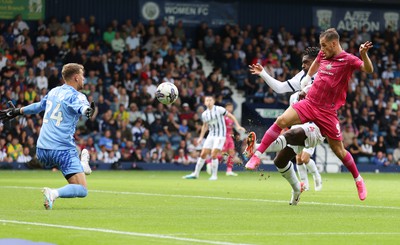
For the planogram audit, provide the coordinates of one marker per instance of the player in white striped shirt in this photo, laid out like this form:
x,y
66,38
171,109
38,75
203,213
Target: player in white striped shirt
x,y
213,120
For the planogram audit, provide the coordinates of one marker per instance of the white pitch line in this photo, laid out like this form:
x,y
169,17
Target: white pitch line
x,y
292,234
222,198
137,234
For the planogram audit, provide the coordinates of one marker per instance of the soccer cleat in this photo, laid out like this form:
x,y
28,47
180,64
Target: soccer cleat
x,y
230,173
48,199
317,183
208,168
213,178
250,141
296,195
85,162
189,176
253,163
362,190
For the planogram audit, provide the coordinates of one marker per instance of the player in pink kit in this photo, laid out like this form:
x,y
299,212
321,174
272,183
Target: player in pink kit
x,y
229,146
326,95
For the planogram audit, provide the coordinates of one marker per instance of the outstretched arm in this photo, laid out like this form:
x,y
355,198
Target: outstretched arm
x,y
367,64
238,127
278,86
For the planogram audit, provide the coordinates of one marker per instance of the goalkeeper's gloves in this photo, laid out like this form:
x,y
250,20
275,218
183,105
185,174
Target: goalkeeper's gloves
x,y
10,113
90,111
305,81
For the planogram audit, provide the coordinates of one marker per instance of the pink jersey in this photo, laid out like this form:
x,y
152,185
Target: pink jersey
x,y
229,126
330,86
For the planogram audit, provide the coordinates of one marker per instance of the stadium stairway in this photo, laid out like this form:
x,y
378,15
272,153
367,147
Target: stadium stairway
x,y
238,96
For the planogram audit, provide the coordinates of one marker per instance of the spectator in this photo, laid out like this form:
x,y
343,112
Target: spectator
x,y
181,158
14,149
25,157
380,160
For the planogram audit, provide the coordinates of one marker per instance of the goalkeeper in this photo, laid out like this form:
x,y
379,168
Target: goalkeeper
x,y
63,106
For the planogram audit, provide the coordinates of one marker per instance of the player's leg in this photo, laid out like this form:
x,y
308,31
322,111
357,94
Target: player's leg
x,y
200,163
302,170
230,162
348,161
294,136
218,143
287,119
71,167
311,167
286,168
228,155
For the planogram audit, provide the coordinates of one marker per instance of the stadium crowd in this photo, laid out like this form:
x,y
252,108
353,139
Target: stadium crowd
x,y
125,62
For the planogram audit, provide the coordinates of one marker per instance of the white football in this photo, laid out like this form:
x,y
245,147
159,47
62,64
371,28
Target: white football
x,y
167,93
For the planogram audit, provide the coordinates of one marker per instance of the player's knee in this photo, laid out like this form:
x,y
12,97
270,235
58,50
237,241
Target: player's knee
x,y
305,159
83,192
282,122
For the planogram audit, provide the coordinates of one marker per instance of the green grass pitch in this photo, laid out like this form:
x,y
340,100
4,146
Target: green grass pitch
x,y
139,207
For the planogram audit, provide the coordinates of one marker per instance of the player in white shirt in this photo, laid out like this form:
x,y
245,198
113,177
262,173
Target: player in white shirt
x,y
285,167
213,120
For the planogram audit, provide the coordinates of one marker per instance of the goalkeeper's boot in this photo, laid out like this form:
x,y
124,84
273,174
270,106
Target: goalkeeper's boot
x,y
85,162
251,140
48,198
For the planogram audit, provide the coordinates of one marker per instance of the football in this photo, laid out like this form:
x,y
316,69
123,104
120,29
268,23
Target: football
x,y
167,93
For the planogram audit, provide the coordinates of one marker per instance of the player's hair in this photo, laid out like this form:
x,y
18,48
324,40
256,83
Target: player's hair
x,y
71,69
330,34
311,52
228,104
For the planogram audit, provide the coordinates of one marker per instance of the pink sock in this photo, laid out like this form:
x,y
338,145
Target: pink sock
x,y
229,164
269,136
348,161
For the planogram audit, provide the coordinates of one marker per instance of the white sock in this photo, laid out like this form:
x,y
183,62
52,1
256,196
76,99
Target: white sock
x,y
214,167
290,175
199,166
358,178
312,168
54,194
277,145
302,169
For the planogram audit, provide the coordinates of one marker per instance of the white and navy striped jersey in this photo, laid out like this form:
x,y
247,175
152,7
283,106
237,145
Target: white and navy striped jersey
x,y
215,120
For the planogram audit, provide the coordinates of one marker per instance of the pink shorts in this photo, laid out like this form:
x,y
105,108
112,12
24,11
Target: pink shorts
x,y
229,144
325,119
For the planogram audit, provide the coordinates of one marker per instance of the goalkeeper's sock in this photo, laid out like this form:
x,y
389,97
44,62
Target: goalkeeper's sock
x,y
72,190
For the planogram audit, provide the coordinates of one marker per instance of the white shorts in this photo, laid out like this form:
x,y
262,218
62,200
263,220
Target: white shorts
x,y
314,138
213,142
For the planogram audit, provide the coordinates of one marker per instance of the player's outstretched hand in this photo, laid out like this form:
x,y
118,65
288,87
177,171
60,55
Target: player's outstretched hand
x,y
10,113
90,111
256,69
365,47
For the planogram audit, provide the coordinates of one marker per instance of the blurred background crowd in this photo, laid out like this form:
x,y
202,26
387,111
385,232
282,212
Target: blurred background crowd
x,y
125,62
